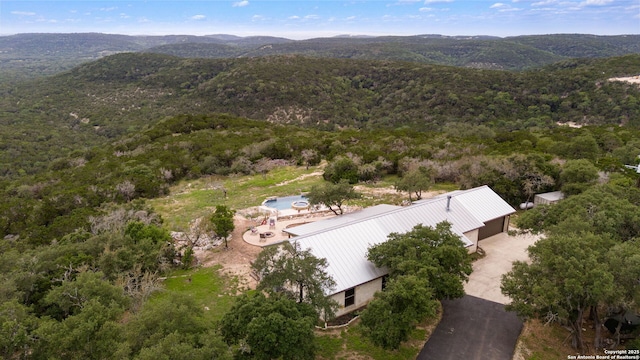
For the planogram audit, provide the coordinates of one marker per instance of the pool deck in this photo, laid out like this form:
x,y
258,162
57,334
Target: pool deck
x,y
286,218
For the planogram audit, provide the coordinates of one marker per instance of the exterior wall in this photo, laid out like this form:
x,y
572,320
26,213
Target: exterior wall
x,y
507,219
364,294
473,236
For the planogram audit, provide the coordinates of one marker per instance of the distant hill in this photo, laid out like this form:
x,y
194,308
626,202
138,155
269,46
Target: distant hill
x,y
29,55
123,93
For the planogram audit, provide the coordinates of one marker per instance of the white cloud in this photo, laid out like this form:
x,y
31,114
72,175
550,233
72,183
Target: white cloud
x,y
595,2
257,17
124,16
143,20
497,6
312,17
425,9
406,2
427,2
107,9
198,17
350,18
23,13
544,2
242,3
294,17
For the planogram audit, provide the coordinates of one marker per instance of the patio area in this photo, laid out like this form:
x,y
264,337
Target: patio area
x,y
273,233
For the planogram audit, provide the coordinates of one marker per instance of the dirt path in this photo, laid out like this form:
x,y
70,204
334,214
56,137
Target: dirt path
x,y
301,177
235,261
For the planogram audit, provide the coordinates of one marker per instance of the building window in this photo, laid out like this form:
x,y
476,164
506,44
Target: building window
x,y
349,297
385,278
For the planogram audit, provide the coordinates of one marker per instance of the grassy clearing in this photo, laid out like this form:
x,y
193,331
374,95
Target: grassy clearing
x,y
350,343
189,200
540,342
206,286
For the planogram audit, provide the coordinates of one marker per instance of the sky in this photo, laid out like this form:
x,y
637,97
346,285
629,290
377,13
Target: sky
x,y
322,18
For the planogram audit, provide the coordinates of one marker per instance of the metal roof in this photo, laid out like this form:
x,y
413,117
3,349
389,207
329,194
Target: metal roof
x,y
551,196
340,220
345,244
484,204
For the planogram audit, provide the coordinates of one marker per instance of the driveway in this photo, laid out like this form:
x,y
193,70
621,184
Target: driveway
x,y
501,251
473,328
477,326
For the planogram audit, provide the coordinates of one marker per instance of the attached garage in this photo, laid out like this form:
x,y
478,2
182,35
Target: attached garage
x,y
492,227
489,208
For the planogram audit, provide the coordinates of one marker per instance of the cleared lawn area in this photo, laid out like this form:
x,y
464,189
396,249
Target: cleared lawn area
x,y
350,343
206,286
189,200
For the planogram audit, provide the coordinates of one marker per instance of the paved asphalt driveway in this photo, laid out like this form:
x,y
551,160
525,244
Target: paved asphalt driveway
x,y
477,326
472,328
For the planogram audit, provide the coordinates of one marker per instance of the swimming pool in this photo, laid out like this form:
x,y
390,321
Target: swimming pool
x,y
283,203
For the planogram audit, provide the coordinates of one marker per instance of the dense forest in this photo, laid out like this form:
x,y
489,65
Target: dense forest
x,y
82,151
103,100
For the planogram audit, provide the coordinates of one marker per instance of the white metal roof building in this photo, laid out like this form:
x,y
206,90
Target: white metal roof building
x,y
345,243
548,198
339,220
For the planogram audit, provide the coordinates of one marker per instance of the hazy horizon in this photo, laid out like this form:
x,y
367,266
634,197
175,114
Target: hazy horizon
x,y
299,20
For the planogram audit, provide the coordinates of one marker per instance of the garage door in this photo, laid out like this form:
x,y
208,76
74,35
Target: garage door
x,y
492,227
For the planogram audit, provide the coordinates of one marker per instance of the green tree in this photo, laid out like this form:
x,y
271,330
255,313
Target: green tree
x,y
568,275
435,254
297,273
603,210
425,265
274,327
415,181
222,222
93,333
341,168
177,320
395,311
332,195
577,176
16,326
624,264
71,296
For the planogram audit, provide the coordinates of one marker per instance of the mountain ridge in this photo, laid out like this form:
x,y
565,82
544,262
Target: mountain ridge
x,y
29,55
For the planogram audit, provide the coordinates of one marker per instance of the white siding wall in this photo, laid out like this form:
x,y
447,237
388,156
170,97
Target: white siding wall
x,y
364,294
473,236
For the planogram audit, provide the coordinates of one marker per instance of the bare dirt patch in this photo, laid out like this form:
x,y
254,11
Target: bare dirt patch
x,y
236,260
629,79
390,190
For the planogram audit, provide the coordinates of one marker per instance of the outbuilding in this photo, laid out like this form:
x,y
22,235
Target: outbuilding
x,y
548,198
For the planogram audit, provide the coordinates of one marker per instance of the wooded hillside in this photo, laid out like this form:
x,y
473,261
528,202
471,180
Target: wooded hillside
x,y
124,93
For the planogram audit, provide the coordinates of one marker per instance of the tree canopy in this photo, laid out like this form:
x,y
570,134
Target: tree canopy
x,y
425,265
222,222
333,195
415,181
568,274
273,327
298,274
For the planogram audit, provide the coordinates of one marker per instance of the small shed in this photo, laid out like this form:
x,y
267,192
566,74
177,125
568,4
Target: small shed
x,y
548,198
